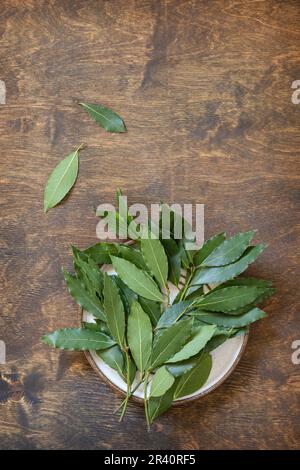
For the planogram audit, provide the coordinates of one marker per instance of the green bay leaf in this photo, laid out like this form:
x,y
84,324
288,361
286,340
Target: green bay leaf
x,y
224,273
195,378
100,252
229,298
170,341
139,336
208,247
161,382
114,358
136,279
114,310
78,339
87,271
85,299
230,250
199,339
174,313
156,259
105,117
153,309
61,180
158,405
230,321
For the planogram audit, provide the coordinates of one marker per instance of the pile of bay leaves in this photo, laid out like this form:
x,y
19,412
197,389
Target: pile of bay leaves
x,y
152,343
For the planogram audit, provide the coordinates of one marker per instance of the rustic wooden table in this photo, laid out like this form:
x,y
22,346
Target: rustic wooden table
x,y
205,90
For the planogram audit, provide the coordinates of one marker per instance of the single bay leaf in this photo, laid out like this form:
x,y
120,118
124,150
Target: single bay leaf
x,y
158,405
85,299
136,279
114,310
230,250
156,259
215,342
100,252
174,269
229,298
78,339
114,358
132,255
195,378
230,321
105,117
224,273
208,247
153,309
199,339
170,342
177,369
174,260
174,313
161,382
139,336
61,180
132,370
127,295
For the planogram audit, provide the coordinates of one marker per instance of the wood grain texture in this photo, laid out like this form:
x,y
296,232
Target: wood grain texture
x,y
205,90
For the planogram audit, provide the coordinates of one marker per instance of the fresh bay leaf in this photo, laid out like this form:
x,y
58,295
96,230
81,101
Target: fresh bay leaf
x,y
246,281
132,370
264,293
215,342
230,321
85,299
156,259
105,117
174,313
170,246
161,382
127,295
194,292
174,269
100,252
208,247
114,310
136,279
158,405
78,339
61,180
114,358
99,325
224,273
229,298
153,309
230,250
132,255
139,336
177,369
174,260
87,271
195,378
199,339
170,342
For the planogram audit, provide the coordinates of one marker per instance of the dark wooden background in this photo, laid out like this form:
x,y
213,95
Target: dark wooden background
x,y
205,90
